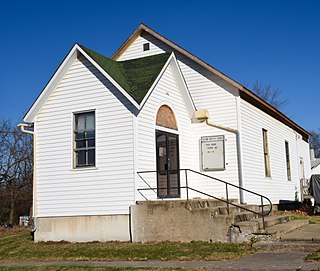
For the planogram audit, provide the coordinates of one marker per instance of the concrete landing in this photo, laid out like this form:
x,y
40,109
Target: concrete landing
x,y
280,230
305,238
310,233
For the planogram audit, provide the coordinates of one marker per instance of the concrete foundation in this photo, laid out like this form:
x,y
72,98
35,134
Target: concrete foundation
x,y
181,221
83,228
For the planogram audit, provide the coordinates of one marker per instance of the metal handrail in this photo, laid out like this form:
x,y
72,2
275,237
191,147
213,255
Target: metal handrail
x,y
228,203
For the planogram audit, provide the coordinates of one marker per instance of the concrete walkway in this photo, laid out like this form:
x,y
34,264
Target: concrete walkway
x,y
260,261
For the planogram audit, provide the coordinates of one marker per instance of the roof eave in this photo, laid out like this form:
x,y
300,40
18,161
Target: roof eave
x,y
245,92
56,77
171,59
110,78
45,93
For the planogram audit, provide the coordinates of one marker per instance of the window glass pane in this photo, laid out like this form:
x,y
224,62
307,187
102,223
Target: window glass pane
x,y
91,157
81,158
90,134
80,122
80,144
90,121
91,143
84,139
80,135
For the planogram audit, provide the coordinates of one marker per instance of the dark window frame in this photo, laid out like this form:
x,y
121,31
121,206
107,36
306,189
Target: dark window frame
x,y
146,46
84,141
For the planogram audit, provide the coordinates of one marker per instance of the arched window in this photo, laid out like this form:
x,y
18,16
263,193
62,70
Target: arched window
x,y
166,118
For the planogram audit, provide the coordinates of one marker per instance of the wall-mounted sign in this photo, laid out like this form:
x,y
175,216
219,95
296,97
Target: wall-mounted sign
x,y
212,152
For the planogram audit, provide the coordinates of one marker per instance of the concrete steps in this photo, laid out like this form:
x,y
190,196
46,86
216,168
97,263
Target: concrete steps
x,y
218,223
191,204
279,230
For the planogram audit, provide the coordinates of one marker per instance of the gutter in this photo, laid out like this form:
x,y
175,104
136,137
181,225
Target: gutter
x,y
203,115
26,128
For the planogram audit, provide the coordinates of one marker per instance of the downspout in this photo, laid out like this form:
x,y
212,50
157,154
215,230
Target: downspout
x,y
23,127
203,115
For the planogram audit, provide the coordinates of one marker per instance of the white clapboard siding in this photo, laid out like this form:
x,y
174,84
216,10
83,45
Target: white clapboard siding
x,y
165,92
229,174
277,186
135,50
207,90
108,189
219,98
210,92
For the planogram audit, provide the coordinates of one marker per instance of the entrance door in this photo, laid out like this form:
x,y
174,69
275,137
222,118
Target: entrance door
x,y
168,176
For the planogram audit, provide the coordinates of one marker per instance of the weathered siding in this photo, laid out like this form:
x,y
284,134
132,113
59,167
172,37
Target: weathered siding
x,y
106,189
277,186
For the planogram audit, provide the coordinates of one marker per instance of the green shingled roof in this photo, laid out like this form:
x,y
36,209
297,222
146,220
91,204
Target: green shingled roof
x,y
134,76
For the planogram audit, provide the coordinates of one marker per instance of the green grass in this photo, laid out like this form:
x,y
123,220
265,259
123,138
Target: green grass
x,y
20,247
313,219
315,256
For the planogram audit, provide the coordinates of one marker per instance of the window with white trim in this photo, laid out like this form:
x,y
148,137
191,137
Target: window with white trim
x,y
84,140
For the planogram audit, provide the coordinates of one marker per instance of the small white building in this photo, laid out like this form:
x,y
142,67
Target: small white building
x,y
152,106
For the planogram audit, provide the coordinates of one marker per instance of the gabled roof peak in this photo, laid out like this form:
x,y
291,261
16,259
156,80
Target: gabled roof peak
x,y
244,92
135,76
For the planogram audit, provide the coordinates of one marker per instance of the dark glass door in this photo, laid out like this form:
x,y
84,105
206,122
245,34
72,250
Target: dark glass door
x,y
168,178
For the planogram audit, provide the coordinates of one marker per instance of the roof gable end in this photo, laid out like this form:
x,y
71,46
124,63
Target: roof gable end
x,y
133,78
245,93
180,82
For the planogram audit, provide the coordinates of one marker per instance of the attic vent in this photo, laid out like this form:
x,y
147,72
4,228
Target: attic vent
x,y
146,46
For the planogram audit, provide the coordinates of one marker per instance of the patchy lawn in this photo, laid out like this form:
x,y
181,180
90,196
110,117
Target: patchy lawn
x,y
20,247
86,268
315,256
313,219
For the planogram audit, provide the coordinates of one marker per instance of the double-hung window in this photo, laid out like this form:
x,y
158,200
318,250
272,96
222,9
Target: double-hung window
x,y
84,139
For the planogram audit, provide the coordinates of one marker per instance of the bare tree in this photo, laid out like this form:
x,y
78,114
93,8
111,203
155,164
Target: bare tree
x,y
16,163
315,142
270,94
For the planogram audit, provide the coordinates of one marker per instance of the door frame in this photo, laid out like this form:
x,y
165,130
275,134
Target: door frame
x,y
161,132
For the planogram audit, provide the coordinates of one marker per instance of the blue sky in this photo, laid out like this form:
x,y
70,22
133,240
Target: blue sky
x,y
276,42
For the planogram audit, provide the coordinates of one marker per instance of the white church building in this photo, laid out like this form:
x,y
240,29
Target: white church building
x,y
145,124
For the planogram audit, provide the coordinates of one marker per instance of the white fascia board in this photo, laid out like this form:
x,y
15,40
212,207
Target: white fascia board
x,y
108,76
51,85
179,80
58,75
182,84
